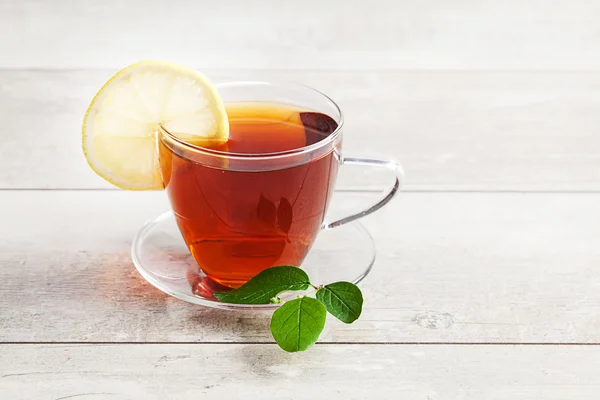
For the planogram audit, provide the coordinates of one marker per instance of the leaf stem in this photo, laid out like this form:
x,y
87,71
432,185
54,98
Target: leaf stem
x,y
310,293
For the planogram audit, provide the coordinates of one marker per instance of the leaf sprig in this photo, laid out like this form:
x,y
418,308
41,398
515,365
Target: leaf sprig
x,y
297,324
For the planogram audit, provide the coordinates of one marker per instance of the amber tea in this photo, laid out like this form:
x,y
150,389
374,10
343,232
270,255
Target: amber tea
x,y
238,222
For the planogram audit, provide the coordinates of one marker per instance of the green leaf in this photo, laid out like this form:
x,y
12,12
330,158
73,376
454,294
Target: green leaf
x,y
343,300
266,285
298,323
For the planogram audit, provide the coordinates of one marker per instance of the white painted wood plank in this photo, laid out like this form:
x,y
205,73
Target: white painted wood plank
x,y
326,371
451,267
452,131
330,34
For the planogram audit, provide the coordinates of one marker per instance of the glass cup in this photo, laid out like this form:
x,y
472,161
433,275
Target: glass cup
x,y
242,213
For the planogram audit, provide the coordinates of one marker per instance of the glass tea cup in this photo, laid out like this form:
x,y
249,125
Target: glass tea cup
x,y
242,212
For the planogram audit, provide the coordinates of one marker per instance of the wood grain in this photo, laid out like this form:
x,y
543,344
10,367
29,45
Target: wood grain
x,y
331,34
452,131
451,267
350,372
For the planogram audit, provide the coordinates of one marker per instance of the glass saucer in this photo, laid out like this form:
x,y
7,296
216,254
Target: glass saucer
x,y
345,253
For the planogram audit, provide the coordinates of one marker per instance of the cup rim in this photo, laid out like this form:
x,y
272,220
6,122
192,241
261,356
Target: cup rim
x,y
264,156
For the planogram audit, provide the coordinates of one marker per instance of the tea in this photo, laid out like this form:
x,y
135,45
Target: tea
x,y
237,222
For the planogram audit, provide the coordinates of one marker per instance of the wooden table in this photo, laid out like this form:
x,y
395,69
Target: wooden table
x,y
487,281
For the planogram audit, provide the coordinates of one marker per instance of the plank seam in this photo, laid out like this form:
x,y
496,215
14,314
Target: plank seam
x,y
318,343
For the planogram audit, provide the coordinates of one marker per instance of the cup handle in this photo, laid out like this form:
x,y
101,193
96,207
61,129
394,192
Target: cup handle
x,y
389,193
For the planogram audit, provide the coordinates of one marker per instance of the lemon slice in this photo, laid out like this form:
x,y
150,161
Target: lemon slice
x,y
121,125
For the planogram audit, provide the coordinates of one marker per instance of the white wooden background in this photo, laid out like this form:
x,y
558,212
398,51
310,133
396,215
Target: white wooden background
x,y
487,283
